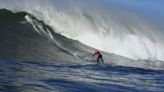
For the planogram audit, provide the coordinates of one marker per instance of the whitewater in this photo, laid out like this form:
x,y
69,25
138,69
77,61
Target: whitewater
x,y
47,46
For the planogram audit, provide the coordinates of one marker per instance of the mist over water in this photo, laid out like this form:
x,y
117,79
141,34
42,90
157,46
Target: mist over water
x,y
99,25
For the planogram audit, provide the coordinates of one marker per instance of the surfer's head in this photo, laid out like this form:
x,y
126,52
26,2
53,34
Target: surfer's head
x,y
96,50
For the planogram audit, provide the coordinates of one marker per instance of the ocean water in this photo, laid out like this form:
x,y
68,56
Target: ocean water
x,y
32,76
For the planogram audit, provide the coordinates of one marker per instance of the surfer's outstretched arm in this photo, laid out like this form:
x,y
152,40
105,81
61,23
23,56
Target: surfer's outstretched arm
x,y
93,54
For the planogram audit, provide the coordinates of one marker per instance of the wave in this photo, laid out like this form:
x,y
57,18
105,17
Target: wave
x,y
64,35
24,37
20,41
115,31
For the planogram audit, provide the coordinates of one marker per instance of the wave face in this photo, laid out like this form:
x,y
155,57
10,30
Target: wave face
x,y
20,41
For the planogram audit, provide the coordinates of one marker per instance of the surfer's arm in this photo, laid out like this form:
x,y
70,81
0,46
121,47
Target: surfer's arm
x,y
93,54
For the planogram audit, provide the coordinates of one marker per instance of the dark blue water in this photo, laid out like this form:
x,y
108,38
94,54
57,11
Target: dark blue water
x,y
30,76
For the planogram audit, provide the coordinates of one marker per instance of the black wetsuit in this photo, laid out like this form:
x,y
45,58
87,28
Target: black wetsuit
x,y
99,56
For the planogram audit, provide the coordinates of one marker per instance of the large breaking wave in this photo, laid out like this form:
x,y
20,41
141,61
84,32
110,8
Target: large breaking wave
x,y
107,28
110,29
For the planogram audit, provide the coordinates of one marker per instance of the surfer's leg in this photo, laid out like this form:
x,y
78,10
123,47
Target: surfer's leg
x,y
102,59
98,59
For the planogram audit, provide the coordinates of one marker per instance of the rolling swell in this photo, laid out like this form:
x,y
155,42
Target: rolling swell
x,y
20,41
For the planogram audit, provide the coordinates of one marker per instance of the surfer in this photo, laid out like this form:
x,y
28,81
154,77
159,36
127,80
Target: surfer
x,y
99,56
